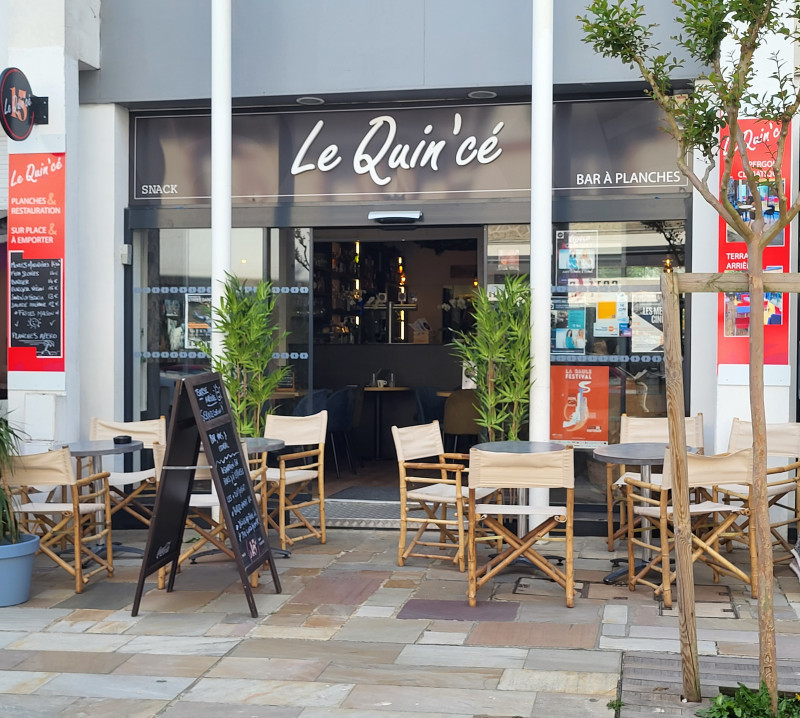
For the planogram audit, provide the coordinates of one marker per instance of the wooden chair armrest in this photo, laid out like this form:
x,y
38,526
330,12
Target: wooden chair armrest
x,y
283,458
783,469
457,457
644,484
435,467
90,479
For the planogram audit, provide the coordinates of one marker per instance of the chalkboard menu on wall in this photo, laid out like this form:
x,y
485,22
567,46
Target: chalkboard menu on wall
x,y
35,304
201,413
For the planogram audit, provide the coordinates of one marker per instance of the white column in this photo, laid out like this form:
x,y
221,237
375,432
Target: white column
x,y
220,155
541,222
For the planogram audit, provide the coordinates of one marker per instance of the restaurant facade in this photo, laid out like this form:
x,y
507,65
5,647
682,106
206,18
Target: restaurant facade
x,y
381,169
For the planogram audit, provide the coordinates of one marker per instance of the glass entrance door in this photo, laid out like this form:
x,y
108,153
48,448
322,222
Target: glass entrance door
x,y
172,300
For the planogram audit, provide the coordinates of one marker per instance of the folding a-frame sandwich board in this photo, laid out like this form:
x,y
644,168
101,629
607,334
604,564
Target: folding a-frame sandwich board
x,y
201,413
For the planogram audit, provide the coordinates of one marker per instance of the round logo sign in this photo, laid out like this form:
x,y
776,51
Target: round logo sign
x,y
16,104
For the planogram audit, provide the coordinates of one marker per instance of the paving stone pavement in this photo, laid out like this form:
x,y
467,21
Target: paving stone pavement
x,y
353,635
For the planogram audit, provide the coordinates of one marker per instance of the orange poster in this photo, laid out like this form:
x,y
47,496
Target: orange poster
x,y
36,197
579,405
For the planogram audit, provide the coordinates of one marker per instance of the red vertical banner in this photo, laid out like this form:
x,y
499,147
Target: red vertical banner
x,y
36,200
735,315
579,405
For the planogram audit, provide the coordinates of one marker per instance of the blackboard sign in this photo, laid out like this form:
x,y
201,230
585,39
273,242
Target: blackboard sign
x,y
201,414
35,304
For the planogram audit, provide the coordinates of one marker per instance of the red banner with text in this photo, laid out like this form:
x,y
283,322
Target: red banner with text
x,y
733,325
36,198
579,405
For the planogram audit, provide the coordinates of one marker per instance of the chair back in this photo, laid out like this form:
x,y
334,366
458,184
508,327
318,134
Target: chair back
x,y
312,403
656,429
417,442
734,467
49,468
430,407
461,413
340,407
297,430
498,469
148,432
782,439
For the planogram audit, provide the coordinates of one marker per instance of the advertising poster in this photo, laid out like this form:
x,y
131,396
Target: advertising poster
x,y
198,320
36,199
576,256
579,405
734,315
567,326
647,323
612,316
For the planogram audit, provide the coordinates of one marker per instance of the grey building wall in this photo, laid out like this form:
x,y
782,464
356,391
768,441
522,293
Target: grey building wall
x,y
158,51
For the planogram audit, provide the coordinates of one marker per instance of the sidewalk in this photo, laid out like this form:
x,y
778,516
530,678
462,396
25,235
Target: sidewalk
x,y
355,636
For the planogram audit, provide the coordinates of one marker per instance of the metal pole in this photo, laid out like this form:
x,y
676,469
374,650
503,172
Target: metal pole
x,y
220,157
541,223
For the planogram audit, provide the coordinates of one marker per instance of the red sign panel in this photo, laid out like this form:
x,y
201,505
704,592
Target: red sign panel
x,y
733,326
36,199
579,405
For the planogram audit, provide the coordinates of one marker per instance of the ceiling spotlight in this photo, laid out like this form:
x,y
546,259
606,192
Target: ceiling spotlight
x,y
308,100
482,95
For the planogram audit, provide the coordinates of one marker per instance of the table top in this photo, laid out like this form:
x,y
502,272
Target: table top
x,y
258,445
104,447
387,388
637,453
521,447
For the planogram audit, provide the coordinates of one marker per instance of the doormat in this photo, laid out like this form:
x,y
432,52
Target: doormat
x,y
356,514
369,493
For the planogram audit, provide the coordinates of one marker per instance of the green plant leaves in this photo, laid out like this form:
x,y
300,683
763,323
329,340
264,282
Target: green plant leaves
x,y
749,703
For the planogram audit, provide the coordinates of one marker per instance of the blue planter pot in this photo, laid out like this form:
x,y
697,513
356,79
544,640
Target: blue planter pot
x,y
16,568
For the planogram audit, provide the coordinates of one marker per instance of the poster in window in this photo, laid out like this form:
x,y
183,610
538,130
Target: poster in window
x,y
576,256
647,323
198,320
567,326
579,405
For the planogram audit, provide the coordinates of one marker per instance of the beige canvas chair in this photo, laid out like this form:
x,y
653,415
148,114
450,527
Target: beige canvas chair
x,y
432,495
641,429
712,520
69,514
490,470
783,442
298,472
127,488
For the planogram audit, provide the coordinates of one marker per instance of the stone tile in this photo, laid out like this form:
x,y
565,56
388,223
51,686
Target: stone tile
x,y
177,601
459,610
541,609
443,638
318,621
23,681
371,713
407,675
102,595
243,691
112,708
462,656
615,614
36,706
445,700
443,590
369,652
554,635
583,682
234,602
72,662
573,660
375,611
707,648
383,630
190,623
707,609
389,597
614,629
411,583
287,669
559,704
8,638
29,619
350,588
306,633
190,709
11,659
69,642
619,593
178,645
115,686
164,665
726,648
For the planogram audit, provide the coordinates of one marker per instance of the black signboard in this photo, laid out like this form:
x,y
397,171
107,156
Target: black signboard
x,y
201,414
35,304
16,104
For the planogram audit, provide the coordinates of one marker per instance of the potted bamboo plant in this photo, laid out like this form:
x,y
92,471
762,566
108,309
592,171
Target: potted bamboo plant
x,y
16,549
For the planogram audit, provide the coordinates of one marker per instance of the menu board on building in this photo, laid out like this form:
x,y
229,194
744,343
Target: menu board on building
x,y
35,290
201,416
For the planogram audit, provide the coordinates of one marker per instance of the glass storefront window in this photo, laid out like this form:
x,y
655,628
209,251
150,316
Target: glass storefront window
x,y
607,333
172,300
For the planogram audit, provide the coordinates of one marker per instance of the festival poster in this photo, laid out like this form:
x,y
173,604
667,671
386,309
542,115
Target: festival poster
x,y
36,202
734,315
579,405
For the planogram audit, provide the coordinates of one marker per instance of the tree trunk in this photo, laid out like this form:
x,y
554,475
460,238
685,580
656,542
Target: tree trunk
x,y
760,505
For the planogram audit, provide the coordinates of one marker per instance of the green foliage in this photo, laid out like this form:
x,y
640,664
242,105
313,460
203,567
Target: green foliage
x,y
9,529
249,339
615,705
749,703
498,350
